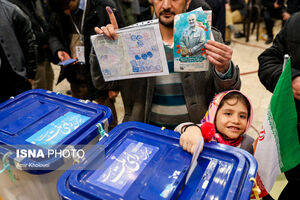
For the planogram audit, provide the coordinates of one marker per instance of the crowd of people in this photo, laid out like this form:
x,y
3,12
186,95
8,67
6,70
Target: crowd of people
x,y
35,33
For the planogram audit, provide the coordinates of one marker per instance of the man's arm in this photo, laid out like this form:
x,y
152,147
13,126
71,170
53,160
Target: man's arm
x,y
218,53
110,32
271,61
97,77
56,46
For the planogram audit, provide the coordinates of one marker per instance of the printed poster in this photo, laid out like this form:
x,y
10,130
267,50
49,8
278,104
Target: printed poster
x,y
191,32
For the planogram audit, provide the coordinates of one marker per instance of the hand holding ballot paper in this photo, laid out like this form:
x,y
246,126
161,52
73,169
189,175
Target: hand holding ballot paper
x,y
131,52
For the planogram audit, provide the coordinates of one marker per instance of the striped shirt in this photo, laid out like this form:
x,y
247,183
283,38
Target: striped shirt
x,y
168,104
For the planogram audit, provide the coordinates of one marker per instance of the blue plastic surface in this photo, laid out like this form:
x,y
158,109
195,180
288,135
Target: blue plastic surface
x,y
30,116
223,172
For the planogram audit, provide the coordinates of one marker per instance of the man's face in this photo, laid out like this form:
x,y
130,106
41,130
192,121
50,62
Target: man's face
x,y
192,21
166,10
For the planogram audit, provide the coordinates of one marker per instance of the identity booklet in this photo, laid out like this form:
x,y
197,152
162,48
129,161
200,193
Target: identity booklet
x,y
138,52
191,32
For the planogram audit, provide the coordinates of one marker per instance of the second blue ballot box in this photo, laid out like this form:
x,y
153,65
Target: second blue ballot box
x,y
146,162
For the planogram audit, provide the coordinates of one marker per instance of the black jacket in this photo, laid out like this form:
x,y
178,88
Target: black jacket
x,y
60,27
39,27
17,40
271,60
293,6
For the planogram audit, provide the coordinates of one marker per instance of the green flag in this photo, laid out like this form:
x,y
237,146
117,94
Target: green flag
x,y
278,148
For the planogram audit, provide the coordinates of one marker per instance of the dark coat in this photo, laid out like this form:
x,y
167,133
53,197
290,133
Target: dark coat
x,y
60,27
271,60
39,27
17,40
293,6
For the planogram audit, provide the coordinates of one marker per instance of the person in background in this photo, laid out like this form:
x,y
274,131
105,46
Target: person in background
x,y
130,9
145,11
287,41
271,9
292,7
218,17
18,50
152,100
44,76
71,24
236,11
218,12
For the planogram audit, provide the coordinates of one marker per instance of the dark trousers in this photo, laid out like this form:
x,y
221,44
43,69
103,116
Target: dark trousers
x,y
11,84
290,192
9,90
105,101
270,13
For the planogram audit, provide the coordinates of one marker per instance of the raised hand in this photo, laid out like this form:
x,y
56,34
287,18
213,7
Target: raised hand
x,y
110,29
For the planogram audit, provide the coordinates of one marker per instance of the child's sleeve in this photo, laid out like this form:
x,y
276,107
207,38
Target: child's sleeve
x,y
180,126
207,129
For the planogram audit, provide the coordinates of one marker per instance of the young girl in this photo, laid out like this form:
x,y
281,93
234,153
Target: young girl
x,y
231,114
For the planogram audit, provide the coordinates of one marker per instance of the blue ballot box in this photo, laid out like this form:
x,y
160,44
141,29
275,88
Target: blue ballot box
x,y
146,162
37,129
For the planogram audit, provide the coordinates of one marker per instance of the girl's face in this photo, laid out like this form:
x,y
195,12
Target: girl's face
x,y
232,118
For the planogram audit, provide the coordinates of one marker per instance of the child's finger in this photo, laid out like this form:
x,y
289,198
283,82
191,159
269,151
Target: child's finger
x,y
181,141
112,17
193,149
184,145
189,147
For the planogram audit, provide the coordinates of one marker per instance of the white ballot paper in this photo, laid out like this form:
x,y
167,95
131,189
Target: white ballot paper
x,y
194,162
138,52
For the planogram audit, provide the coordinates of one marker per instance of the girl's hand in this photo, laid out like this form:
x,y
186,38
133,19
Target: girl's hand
x,y
189,138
